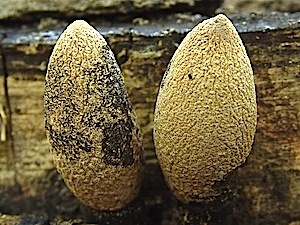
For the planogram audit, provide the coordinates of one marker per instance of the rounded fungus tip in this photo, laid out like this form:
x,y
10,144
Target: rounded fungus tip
x,y
90,123
205,114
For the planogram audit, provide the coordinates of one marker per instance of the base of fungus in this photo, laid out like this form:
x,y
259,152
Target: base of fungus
x,y
212,209
222,191
110,192
133,212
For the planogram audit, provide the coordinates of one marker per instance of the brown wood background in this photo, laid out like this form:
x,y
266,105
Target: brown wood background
x,y
267,187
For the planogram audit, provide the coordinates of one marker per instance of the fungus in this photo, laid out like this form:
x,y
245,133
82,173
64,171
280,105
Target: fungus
x,y
90,123
205,115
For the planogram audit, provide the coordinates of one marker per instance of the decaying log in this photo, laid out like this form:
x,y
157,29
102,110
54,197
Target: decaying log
x,y
267,188
22,10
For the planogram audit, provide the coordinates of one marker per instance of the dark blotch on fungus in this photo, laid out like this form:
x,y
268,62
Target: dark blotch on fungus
x,y
90,123
116,143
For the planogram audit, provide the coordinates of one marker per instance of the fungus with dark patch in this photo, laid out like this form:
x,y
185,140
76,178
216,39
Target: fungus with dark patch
x,y
90,122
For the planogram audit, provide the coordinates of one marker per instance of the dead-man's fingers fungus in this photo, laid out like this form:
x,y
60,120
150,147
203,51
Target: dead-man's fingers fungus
x,y
205,115
90,123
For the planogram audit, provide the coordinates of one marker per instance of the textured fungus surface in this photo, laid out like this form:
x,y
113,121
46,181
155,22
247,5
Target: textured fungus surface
x,y
90,123
205,114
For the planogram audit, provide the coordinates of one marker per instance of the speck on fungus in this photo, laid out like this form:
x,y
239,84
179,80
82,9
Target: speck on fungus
x,y
90,123
205,115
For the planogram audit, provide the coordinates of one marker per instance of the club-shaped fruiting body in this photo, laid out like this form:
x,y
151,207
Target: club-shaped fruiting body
x,y
90,123
205,115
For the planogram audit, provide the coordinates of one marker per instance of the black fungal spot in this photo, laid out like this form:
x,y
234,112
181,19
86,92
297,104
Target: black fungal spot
x,y
116,143
113,98
190,76
109,102
109,85
70,144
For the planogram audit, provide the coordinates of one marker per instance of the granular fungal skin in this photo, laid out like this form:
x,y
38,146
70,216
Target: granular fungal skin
x,y
90,123
205,116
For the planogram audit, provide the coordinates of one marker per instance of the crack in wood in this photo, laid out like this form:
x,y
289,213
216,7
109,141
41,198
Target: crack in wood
x,y
6,123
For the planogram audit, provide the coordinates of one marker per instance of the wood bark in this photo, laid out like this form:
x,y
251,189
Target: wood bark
x,y
40,12
266,190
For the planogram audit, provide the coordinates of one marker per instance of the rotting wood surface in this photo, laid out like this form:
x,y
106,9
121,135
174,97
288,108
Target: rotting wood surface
x,y
22,10
268,186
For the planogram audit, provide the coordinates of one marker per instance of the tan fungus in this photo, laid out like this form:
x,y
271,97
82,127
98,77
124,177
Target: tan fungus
x,y
205,115
90,123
